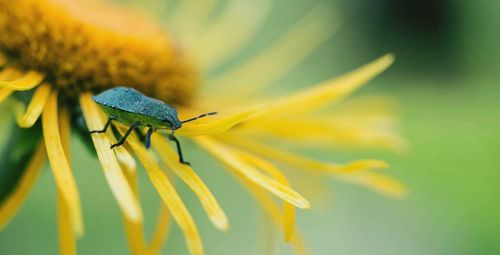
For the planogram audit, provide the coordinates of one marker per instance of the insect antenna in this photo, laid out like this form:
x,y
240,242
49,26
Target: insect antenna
x,y
199,117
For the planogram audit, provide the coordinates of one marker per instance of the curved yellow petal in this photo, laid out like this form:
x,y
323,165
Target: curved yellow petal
x,y
270,169
274,212
230,159
59,163
5,93
169,196
217,126
67,241
378,182
134,229
120,188
282,55
331,91
15,200
161,232
234,21
35,107
208,201
26,82
304,163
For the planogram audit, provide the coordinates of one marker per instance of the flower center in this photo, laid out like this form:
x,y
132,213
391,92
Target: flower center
x,y
90,45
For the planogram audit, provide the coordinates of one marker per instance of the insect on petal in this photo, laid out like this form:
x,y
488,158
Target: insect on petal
x,y
169,196
112,171
208,201
35,107
228,157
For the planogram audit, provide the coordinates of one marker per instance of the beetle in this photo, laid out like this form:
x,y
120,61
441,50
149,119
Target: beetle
x,y
136,110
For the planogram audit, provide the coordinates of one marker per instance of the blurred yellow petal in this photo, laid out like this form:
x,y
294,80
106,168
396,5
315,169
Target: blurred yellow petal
x,y
309,99
5,93
274,212
9,74
281,56
59,163
379,183
188,18
231,160
161,232
240,19
35,107
304,163
378,132
216,126
26,82
112,171
169,196
16,199
126,160
208,201
67,241
270,169
133,229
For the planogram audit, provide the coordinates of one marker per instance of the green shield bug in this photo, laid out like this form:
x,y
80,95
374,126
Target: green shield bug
x,y
134,109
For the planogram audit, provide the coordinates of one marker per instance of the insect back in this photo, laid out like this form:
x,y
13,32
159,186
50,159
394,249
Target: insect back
x,y
136,110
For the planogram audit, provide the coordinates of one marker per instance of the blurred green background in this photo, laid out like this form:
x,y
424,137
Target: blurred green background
x,y
446,83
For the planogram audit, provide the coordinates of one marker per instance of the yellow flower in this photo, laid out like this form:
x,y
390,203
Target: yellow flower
x,y
65,52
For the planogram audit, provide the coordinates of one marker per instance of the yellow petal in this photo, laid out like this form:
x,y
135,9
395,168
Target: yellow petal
x,y
134,229
161,232
26,82
15,200
126,159
274,212
120,188
379,183
216,126
233,21
331,91
230,159
282,55
270,169
59,163
188,18
35,107
304,163
5,93
169,196
67,242
208,201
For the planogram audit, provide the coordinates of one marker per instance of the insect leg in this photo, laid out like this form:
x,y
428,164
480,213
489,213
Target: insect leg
x,y
124,138
179,150
148,137
108,123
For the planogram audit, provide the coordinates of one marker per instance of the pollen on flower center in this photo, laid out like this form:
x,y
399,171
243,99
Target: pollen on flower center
x,y
90,45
